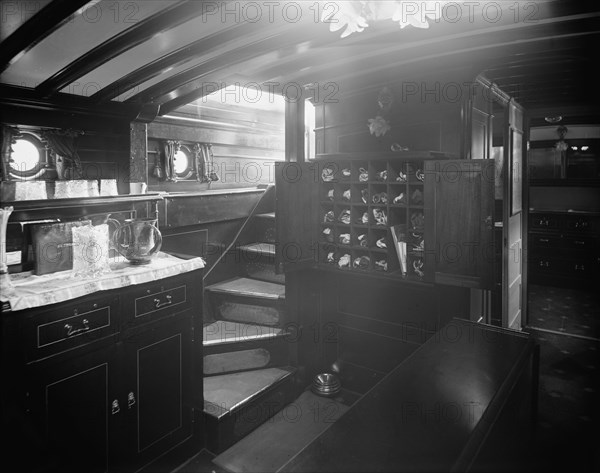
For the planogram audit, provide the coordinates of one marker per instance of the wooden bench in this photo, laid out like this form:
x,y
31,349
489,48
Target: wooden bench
x,y
464,401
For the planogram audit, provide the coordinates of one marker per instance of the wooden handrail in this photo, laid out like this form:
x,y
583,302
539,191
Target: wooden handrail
x,y
268,188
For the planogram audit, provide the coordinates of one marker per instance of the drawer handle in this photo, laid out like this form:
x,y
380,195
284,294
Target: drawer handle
x,y
115,408
158,303
579,267
130,400
577,242
544,240
74,331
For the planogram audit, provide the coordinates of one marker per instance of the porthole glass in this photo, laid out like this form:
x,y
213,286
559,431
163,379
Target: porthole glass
x,y
25,155
28,157
183,164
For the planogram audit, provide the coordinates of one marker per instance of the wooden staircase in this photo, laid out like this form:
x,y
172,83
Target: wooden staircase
x,y
248,372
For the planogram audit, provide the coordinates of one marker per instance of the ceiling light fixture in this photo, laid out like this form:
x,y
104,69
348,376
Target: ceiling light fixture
x,y
554,119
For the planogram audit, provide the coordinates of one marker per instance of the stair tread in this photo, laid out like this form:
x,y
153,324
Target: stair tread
x,y
225,393
276,441
250,287
263,248
223,331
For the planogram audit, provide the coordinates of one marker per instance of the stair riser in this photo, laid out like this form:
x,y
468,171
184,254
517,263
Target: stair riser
x,y
223,433
248,310
239,255
263,229
264,272
245,356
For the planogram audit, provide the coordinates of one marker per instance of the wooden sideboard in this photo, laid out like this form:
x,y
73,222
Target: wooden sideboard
x,y
564,248
106,381
466,400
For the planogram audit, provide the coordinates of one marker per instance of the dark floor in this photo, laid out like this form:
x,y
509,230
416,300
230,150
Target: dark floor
x,y
566,324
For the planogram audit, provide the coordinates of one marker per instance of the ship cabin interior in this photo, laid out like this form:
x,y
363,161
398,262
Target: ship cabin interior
x,y
299,236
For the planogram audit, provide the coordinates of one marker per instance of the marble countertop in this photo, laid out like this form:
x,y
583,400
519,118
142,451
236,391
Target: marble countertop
x,y
35,291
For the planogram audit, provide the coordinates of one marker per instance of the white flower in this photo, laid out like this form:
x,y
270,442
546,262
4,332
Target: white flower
x,y
378,126
341,14
416,13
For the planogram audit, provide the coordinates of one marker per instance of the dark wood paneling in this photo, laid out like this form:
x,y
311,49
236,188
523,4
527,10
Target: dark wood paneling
x,y
422,117
195,209
371,350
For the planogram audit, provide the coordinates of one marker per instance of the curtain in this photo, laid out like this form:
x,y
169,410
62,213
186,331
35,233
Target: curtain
x,y
8,137
204,163
171,148
62,146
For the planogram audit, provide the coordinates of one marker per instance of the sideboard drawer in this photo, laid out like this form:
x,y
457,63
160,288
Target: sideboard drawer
x,y
156,300
545,221
546,241
72,325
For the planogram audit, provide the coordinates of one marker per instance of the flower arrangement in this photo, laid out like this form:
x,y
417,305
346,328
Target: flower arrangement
x,y
355,15
379,126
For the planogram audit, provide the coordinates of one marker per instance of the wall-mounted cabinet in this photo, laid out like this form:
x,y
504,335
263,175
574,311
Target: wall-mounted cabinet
x,y
346,213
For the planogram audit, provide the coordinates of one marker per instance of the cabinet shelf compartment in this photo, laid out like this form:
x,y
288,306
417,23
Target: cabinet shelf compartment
x,y
360,194
361,260
332,172
360,237
360,171
378,216
398,172
379,235
378,172
327,193
327,233
397,216
397,195
378,194
416,196
360,215
416,172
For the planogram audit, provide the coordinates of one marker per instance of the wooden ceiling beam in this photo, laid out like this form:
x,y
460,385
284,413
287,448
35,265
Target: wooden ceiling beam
x,y
181,88
205,46
38,27
166,19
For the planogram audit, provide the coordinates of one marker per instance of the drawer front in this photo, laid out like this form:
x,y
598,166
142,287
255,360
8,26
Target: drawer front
x,y
545,264
581,267
159,300
154,301
546,241
579,224
589,245
552,222
70,326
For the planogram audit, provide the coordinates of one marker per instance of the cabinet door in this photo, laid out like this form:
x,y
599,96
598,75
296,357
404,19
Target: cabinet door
x,y
296,208
459,196
157,389
70,413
